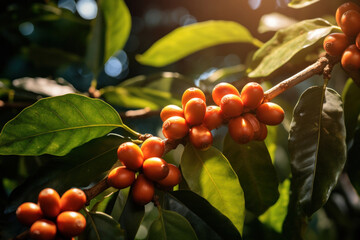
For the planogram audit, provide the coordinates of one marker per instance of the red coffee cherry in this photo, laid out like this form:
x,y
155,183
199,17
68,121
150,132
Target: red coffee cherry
x,y
252,95
175,128
254,123
201,137
49,202
28,212
121,177
344,8
270,113
173,178
142,190
73,199
357,41
262,133
222,89
194,111
190,93
335,44
70,223
153,147
43,229
240,130
213,117
231,106
130,155
170,111
350,59
350,23
155,168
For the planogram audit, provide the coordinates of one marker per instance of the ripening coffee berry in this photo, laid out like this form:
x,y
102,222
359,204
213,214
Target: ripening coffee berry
x,y
28,212
155,168
175,128
70,223
190,93
142,190
252,95
43,229
262,133
130,155
344,8
213,117
170,111
254,123
153,147
173,178
222,89
231,106
350,23
201,137
357,41
121,177
241,130
49,202
350,60
73,199
270,113
335,44
194,111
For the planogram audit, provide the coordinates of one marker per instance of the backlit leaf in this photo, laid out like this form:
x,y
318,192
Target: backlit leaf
x,y
351,98
301,3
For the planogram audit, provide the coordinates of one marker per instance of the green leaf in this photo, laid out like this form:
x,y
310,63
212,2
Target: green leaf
x,y
82,166
275,215
56,125
102,226
208,222
210,175
301,3
186,40
110,32
252,164
286,43
171,225
351,98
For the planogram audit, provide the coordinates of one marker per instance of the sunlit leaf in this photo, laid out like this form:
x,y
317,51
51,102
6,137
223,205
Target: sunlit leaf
x,y
210,175
171,225
301,3
102,226
286,43
206,220
351,98
274,22
252,163
56,125
186,40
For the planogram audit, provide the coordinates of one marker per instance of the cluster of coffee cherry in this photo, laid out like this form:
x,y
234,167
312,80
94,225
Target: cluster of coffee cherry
x,y
152,170
54,217
346,44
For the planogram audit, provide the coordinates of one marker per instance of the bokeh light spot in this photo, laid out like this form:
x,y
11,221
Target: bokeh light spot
x,y
87,9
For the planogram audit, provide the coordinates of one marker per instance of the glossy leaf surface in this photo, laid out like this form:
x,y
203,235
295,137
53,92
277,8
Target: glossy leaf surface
x,y
102,226
350,96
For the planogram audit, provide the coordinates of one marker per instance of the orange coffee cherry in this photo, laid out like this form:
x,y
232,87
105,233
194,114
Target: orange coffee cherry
x,y
213,117
190,93
344,8
142,190
350,23
28,212
254,123
49,202
73,199
173,178
350,60
130,155
121,177
262,133
231,106
175,128
335,44
201,137
241,130
357,41
222,89
194,111
170,111
70,223
153,147
43,229
270,113
252,95
155,168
